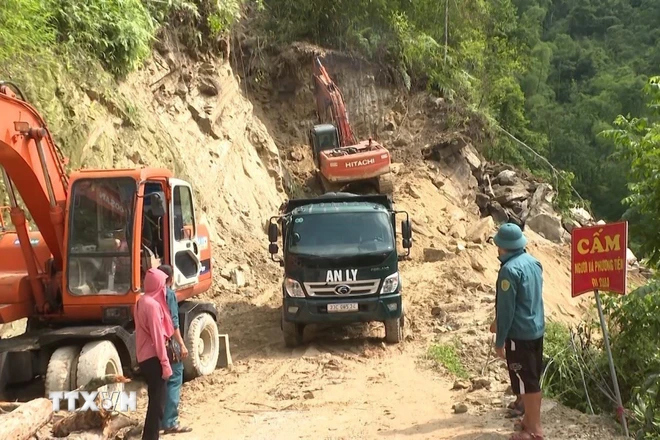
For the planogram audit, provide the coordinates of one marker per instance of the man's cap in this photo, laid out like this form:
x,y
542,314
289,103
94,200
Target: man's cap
x,y
510,237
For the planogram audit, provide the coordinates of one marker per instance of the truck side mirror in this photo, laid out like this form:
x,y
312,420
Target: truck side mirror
x,y
272,233
407,243
273,248
406,230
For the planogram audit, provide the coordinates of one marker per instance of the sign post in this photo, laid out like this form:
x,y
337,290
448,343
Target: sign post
x,y
598,262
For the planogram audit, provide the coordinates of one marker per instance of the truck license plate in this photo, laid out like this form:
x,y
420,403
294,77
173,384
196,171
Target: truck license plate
x,y
345,307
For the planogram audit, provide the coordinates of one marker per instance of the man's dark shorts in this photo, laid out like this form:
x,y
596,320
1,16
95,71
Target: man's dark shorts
x,y
525,362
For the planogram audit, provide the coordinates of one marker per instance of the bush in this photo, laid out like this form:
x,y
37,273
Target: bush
x,y
634,323
446,356
118,32
25,29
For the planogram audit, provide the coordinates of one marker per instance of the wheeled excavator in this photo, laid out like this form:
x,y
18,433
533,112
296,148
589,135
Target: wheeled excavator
x,y
78,277
340,159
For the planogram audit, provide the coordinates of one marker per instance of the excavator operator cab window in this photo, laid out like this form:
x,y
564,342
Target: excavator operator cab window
x,y
99,244
327,141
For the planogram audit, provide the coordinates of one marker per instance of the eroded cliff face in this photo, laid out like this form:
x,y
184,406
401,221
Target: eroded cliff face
x,y
189,116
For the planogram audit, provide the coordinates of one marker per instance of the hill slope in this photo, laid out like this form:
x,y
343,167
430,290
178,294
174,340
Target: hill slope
x,y
196,117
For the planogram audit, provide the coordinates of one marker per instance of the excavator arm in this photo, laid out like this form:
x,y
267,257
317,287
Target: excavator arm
x,y
32,166
328,95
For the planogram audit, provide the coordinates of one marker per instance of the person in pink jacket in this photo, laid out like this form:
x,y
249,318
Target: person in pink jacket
x,y
153,326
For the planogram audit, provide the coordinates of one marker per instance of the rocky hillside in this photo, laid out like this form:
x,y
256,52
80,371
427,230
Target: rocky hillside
x,y
241,141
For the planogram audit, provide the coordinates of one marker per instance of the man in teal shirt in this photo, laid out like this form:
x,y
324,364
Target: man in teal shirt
x,y
170,423
520,324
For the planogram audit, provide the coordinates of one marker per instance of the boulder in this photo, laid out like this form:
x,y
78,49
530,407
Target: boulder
x,y
209,86
548,225
457,230
481,230
504,195
570,224
472,157
295,155
482,200
581,215
506,177
238,277
498,212
541,200
431,255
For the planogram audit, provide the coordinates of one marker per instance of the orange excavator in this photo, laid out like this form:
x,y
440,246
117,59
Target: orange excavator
x,y
340,159
78,277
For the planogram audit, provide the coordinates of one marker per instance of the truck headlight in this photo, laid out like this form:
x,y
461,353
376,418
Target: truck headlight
x,y
293,288
390,284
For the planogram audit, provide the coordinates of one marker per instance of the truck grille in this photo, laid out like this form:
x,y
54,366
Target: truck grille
x,y
344,288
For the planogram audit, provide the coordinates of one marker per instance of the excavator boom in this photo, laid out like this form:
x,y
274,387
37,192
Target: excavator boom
x,y
340,158
329,95
33,167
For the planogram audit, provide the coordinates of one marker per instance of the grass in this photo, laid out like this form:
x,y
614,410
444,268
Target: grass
x,y
446,356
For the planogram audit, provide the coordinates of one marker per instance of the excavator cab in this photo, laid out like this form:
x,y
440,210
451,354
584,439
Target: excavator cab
x,y
323,137
120,226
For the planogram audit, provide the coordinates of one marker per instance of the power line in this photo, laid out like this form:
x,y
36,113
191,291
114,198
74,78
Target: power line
x,y
556,172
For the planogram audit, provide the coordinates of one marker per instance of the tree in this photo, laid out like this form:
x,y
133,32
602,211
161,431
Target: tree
x,y
637,142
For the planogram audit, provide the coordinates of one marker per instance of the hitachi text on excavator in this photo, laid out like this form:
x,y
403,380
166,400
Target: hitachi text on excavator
x,y
77,279
340,159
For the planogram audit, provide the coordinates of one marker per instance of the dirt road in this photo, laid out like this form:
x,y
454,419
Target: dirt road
x,y
345,383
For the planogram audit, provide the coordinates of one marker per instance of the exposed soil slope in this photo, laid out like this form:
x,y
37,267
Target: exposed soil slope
x,y
197,118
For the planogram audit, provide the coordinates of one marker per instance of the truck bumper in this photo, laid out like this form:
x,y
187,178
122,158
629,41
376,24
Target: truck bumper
x,y
315,311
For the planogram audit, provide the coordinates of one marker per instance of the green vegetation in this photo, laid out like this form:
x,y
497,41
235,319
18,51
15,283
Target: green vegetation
x,y
446,356
118,33
553,73
634,323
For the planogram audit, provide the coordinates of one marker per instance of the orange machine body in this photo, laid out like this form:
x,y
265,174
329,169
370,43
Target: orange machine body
x,y
36,268
365,160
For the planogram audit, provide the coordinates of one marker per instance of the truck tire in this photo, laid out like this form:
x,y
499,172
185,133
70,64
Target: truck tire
x,y
386,184
293,333
394,330
61,371
203,345
97,359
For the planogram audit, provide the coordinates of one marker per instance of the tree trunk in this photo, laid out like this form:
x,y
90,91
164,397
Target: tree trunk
x,y
23,422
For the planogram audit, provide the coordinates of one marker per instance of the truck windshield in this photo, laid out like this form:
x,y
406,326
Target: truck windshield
x,y
100,236
341,234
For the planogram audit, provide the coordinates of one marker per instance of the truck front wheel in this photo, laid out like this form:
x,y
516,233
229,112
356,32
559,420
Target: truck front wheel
x,y
293,333
203,346
394,330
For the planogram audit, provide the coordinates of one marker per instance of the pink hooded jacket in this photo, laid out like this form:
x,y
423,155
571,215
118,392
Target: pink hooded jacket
x,y
153,324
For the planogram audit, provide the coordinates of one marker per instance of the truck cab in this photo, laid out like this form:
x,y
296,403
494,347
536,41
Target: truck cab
x,y
341,263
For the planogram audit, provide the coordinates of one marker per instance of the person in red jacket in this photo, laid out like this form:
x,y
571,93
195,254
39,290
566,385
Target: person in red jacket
x,y
153,327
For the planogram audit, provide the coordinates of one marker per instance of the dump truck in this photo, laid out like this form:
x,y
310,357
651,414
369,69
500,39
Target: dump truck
x,y
77,278
340,159
341,263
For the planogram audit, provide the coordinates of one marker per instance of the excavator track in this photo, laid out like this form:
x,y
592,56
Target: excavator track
x,y
328,186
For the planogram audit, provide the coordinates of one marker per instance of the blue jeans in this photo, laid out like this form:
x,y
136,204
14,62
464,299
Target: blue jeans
x,y
172,396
